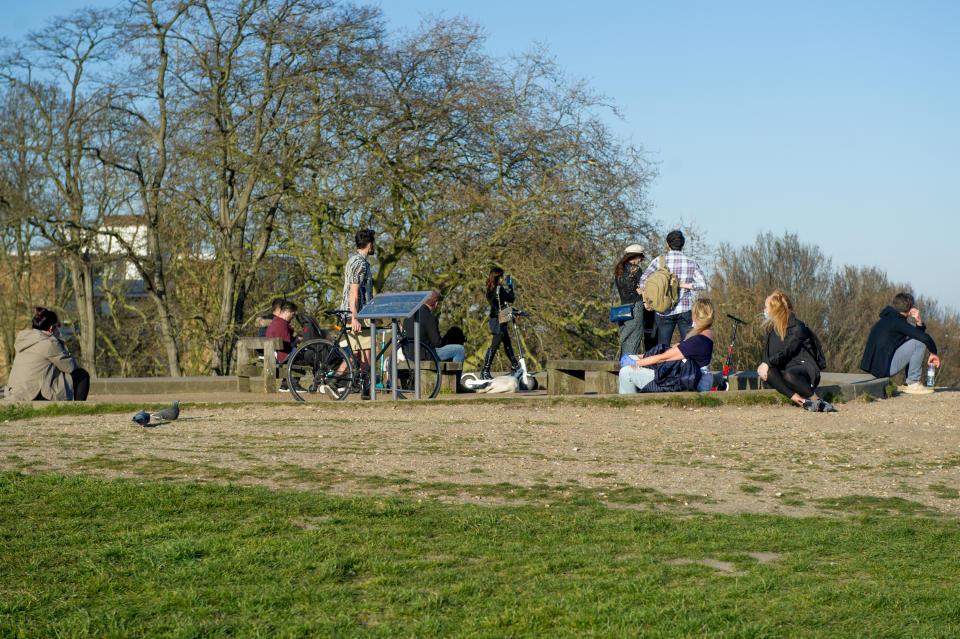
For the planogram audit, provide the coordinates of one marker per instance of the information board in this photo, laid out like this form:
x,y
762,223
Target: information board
x,y
393,305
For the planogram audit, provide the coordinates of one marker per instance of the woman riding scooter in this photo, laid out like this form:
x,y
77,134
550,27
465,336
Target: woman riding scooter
x,y
500,298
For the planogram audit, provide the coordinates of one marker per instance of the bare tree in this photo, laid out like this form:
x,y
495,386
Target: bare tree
x,y
56,70
459,161
250,70
141,108
21,191
251,132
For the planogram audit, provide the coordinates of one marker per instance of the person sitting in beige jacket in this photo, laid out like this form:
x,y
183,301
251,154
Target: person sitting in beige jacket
x,y
43,369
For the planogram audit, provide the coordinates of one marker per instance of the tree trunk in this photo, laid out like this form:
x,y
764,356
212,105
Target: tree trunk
x,y
167,337
226,326
81,272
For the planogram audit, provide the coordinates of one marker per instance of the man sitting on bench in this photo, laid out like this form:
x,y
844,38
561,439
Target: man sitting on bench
x,y
430,332
280,327
263,321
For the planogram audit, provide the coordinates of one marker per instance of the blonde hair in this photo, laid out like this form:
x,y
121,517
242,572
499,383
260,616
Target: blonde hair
x,y
702,313
780,309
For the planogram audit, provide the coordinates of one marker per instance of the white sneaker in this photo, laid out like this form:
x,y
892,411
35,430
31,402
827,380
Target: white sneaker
x,y
915,388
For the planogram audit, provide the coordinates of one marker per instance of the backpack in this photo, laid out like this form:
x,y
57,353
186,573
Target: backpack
x,y
662,289
310,328
815,348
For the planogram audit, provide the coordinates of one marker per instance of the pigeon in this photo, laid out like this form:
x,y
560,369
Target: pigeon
x,y
142,418
168,414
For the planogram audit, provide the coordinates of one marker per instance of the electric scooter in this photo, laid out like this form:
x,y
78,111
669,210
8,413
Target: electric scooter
x,y
524,379
724,383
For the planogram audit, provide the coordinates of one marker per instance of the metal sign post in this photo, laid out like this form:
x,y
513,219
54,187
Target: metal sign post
x,y
393,307
373,367
416,353
393,359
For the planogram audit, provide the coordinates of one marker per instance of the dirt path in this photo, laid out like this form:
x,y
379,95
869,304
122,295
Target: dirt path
x,y
902,453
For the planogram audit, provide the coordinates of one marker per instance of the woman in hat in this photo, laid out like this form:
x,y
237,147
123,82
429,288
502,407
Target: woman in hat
x,y
637,335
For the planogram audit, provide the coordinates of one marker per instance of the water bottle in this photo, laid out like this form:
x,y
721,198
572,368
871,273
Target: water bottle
x,y
931,372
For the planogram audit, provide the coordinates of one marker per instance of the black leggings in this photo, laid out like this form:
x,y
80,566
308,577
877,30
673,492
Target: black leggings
x,y
507,344
81,386
795,379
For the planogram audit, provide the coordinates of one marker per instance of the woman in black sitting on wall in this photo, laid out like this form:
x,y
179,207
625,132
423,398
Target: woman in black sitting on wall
x,y
500,297
790,357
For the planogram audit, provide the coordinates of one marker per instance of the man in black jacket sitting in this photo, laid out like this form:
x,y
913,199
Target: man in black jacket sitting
x,y
897,341
447,350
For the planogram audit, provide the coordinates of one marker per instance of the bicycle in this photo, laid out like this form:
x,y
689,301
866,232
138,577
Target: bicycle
x,y
321,366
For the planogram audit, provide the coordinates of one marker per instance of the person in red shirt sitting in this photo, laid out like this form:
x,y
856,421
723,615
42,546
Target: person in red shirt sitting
x,y
280,327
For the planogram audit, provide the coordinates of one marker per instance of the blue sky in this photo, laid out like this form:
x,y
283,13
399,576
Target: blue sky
x,y
834,120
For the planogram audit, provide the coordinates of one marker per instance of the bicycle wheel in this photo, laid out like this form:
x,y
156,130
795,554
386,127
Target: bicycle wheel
x,y
429,371
319,369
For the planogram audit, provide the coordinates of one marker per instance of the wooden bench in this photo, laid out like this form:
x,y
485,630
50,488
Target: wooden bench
x,y
262,375
448,374
579,376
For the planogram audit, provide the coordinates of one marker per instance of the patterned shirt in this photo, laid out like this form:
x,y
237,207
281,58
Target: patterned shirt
x,y
357,271
687,272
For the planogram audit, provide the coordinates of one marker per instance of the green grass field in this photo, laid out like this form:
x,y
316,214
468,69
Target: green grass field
x,y
86,557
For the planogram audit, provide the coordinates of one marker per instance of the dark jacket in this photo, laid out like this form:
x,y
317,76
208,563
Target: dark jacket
x,y
505,296
679,375
797,348
627,283
886,336
262,323
429,327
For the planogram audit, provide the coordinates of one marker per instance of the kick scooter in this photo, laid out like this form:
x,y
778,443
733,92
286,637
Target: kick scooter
x,y
724,383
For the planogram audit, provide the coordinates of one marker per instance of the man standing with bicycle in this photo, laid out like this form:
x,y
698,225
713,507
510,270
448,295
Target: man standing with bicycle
x,y
357,291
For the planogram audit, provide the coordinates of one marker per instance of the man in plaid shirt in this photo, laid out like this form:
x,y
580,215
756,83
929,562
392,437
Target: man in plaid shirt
x,y
691,279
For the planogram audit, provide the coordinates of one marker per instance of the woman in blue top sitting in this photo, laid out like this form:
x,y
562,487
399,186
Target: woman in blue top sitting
x,y
696,348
